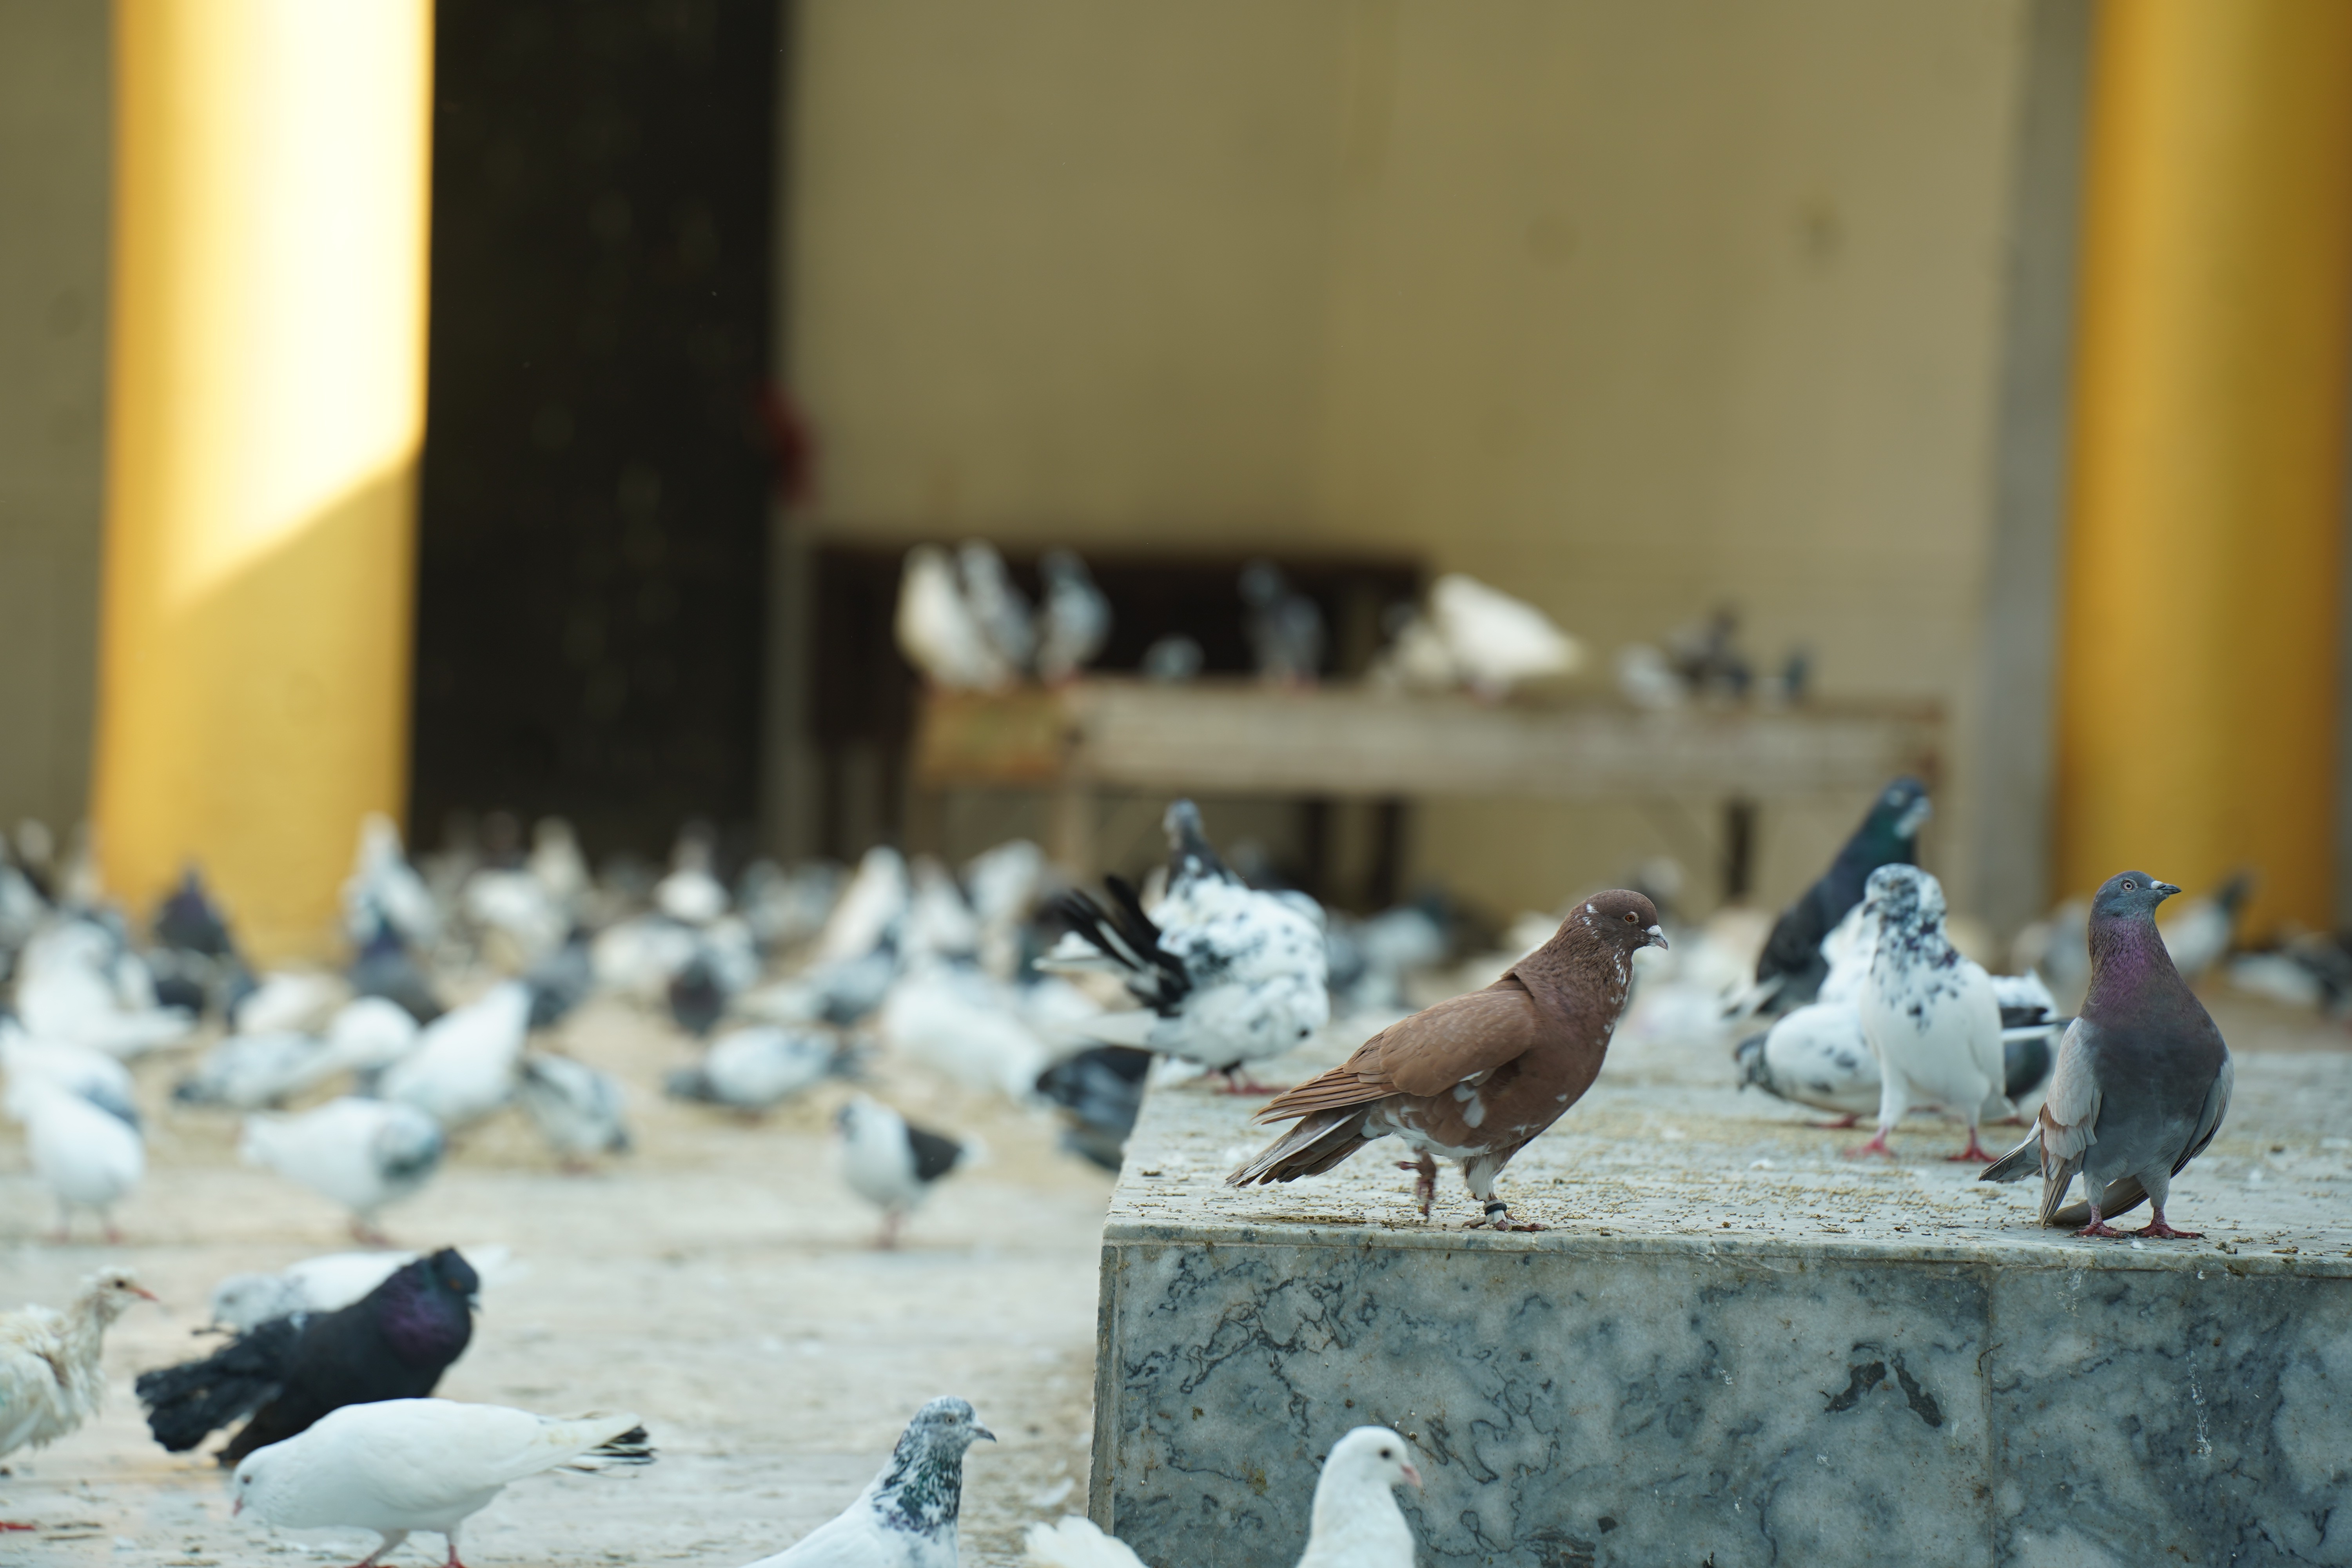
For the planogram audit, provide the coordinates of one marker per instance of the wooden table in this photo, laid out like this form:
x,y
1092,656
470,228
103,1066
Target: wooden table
x,y
1354,742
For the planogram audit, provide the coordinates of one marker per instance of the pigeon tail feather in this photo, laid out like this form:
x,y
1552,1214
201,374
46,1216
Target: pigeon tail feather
x,y
630,1447
188,1402
1318,1143
2020,1162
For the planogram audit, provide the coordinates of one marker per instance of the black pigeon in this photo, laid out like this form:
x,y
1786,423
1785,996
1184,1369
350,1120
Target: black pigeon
x,y
697,998
1102,1088
393,1342
385,968
1790,972
195,963
2142,1082
561,980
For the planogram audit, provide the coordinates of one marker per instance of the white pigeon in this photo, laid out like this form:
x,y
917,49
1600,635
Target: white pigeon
x,y
248,1072
690,893
637,957
580,1111
1227,976
906,1517
326,1282
72,985
370,1033
1004,883
892,1163
511,904
937,631
466,1061
869,911
1357,1522
955,1020
398,1465
938,921
558,864
1930,1013
1497,641
87,1156
785,908
1074,621
290,1000
999,607
364,1155
383,886
763,1066
50,1381
98,1077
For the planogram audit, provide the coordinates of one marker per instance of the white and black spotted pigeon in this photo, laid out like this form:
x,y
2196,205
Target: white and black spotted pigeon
x,y
1928,1012
2143,1079
891,1162
754,1068
1227,974
1790,969
579,1109
906,1517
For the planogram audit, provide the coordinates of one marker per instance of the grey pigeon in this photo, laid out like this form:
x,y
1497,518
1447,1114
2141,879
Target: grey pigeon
x,y
2143,1078
1285,628
1074,619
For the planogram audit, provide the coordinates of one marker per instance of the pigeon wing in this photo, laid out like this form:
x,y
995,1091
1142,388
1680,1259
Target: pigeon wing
x,y
934,1157
1462,1037
2069,1115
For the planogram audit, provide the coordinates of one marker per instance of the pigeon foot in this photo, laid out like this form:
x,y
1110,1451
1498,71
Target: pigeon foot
x,y
1498,1216
1875,1146
2157,1230
12,1524
1851,1119
1974,1154
1240,1082
368,1235
1424,1181
2100,1228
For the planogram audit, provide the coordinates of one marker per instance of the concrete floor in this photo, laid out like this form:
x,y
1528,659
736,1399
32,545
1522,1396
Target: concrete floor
x,y
720,1281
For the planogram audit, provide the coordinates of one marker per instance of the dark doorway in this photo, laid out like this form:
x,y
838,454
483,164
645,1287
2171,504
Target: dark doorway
x,y
596,493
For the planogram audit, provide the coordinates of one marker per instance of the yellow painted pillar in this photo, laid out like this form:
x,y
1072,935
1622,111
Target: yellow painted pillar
x,y
2198,704
266,405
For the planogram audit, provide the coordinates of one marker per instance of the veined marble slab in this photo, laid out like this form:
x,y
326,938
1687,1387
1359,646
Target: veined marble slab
x,y
1735,1349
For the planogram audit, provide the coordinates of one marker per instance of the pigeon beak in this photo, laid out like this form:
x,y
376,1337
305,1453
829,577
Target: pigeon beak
x,y
1413,1475
978,1431
2162,889
144,1294
236,1508
1657,939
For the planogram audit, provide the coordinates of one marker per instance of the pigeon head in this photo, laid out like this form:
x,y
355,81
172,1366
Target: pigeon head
x,y
1373,1456
113,1292
1901,898
452,1273
2130,895
1892,829
922,1488
1620,919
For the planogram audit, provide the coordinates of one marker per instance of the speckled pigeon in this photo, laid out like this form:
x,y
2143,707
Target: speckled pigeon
x,y
2143,1077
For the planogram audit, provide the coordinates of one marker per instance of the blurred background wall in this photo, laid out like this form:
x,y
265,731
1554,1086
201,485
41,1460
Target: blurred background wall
x,y
54,146
1636,310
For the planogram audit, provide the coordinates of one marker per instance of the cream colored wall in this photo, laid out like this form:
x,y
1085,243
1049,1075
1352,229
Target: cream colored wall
x,y
1631,310
54,175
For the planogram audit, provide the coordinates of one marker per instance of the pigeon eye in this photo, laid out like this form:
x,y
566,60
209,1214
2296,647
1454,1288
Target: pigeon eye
x,y
1387,1453
2130,884
1628,917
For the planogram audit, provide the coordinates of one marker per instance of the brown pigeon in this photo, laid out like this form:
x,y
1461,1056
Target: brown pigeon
x,y
1474,1077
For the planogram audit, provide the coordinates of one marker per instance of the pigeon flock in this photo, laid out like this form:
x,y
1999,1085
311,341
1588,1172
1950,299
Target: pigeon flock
x,y
776,985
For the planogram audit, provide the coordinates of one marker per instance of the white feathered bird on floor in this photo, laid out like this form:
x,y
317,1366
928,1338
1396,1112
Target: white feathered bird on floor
x,y
1228,975
51,1382
88,1157
399,1466
364,1155
906,1517
955,1020
1355,1523
1929,1013
466,1060
891,1162
98,1077
76,983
